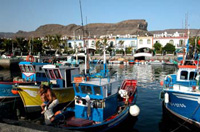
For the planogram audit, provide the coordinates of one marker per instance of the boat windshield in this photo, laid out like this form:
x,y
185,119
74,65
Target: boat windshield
x,y
27,68
53,73
88,89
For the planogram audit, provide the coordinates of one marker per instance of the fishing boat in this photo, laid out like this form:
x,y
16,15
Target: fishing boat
x,y
31,72
181,93
156,62
102,101
58,77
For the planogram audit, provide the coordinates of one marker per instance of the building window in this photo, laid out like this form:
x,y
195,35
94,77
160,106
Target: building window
x,y
70,45
180,43
140,41
132,43
80,45
171,41
111,44
148,41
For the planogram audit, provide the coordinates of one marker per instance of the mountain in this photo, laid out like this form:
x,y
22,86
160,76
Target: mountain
x,y
133,27
6,35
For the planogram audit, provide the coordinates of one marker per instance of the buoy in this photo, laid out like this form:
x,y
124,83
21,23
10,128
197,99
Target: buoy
x,y
134,110
161,83
166,98
14,91
199,42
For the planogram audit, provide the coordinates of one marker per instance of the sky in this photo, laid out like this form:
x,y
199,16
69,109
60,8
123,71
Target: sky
x,y
28,15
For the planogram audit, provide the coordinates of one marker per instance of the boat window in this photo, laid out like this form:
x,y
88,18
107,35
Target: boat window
x,y
86,89
51,74
40,68
184,75
192,75
97,90
46,73
57,73
31,69
26,69
22,68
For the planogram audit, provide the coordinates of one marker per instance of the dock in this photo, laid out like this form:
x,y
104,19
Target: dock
x,y
8,63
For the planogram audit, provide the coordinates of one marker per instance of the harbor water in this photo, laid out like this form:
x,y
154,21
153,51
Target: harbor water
x,y
151,117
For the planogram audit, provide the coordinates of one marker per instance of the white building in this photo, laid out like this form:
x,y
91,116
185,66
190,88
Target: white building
x,y
145,42
122,43
177,39
90,43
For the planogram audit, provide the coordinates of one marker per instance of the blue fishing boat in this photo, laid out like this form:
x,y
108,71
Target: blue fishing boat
x,y
181,93
31,72
101,102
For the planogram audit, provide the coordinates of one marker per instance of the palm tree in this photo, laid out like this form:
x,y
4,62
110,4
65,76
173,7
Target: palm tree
x,y
121,42
22,44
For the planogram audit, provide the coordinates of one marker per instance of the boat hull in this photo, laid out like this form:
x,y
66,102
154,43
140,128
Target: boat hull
x,y
184,105
5,91
31,98
108,125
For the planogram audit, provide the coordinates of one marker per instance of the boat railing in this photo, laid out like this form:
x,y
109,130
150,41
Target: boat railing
x,y
82,78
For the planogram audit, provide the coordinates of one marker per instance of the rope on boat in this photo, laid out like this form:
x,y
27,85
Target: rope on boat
x,y
182,124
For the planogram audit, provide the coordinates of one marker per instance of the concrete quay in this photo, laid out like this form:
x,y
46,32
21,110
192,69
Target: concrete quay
x,y
130,57
8,63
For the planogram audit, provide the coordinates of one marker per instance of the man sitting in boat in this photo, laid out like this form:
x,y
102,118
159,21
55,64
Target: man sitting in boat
x,y
50,101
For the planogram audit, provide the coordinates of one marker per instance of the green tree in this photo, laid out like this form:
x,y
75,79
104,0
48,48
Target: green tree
x,y
157,47
170,48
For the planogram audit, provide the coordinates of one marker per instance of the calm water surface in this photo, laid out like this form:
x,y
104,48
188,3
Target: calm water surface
x,y
151,117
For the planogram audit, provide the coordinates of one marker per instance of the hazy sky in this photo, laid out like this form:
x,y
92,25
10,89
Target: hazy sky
x,y
28,15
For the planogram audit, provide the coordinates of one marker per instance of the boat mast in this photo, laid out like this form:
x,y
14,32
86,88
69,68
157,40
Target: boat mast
x,y
83,38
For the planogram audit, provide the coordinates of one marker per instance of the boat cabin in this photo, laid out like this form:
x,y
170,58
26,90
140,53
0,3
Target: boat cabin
x,y
96,99
184,80
32,71
60,76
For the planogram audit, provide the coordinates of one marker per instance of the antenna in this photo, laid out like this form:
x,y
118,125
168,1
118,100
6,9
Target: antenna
x,y
81,17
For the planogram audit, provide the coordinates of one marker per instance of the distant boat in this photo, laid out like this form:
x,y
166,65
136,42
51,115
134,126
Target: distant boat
x,y
156,62
142,54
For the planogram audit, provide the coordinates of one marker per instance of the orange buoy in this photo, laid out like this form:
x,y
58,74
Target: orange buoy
x,y
199,42
57,112
14,91
161,83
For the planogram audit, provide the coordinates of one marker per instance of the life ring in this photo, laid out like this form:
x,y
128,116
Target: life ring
x,y
30,58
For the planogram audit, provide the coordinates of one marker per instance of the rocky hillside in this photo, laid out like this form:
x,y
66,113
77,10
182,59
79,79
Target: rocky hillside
x,y
6,35
133,27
